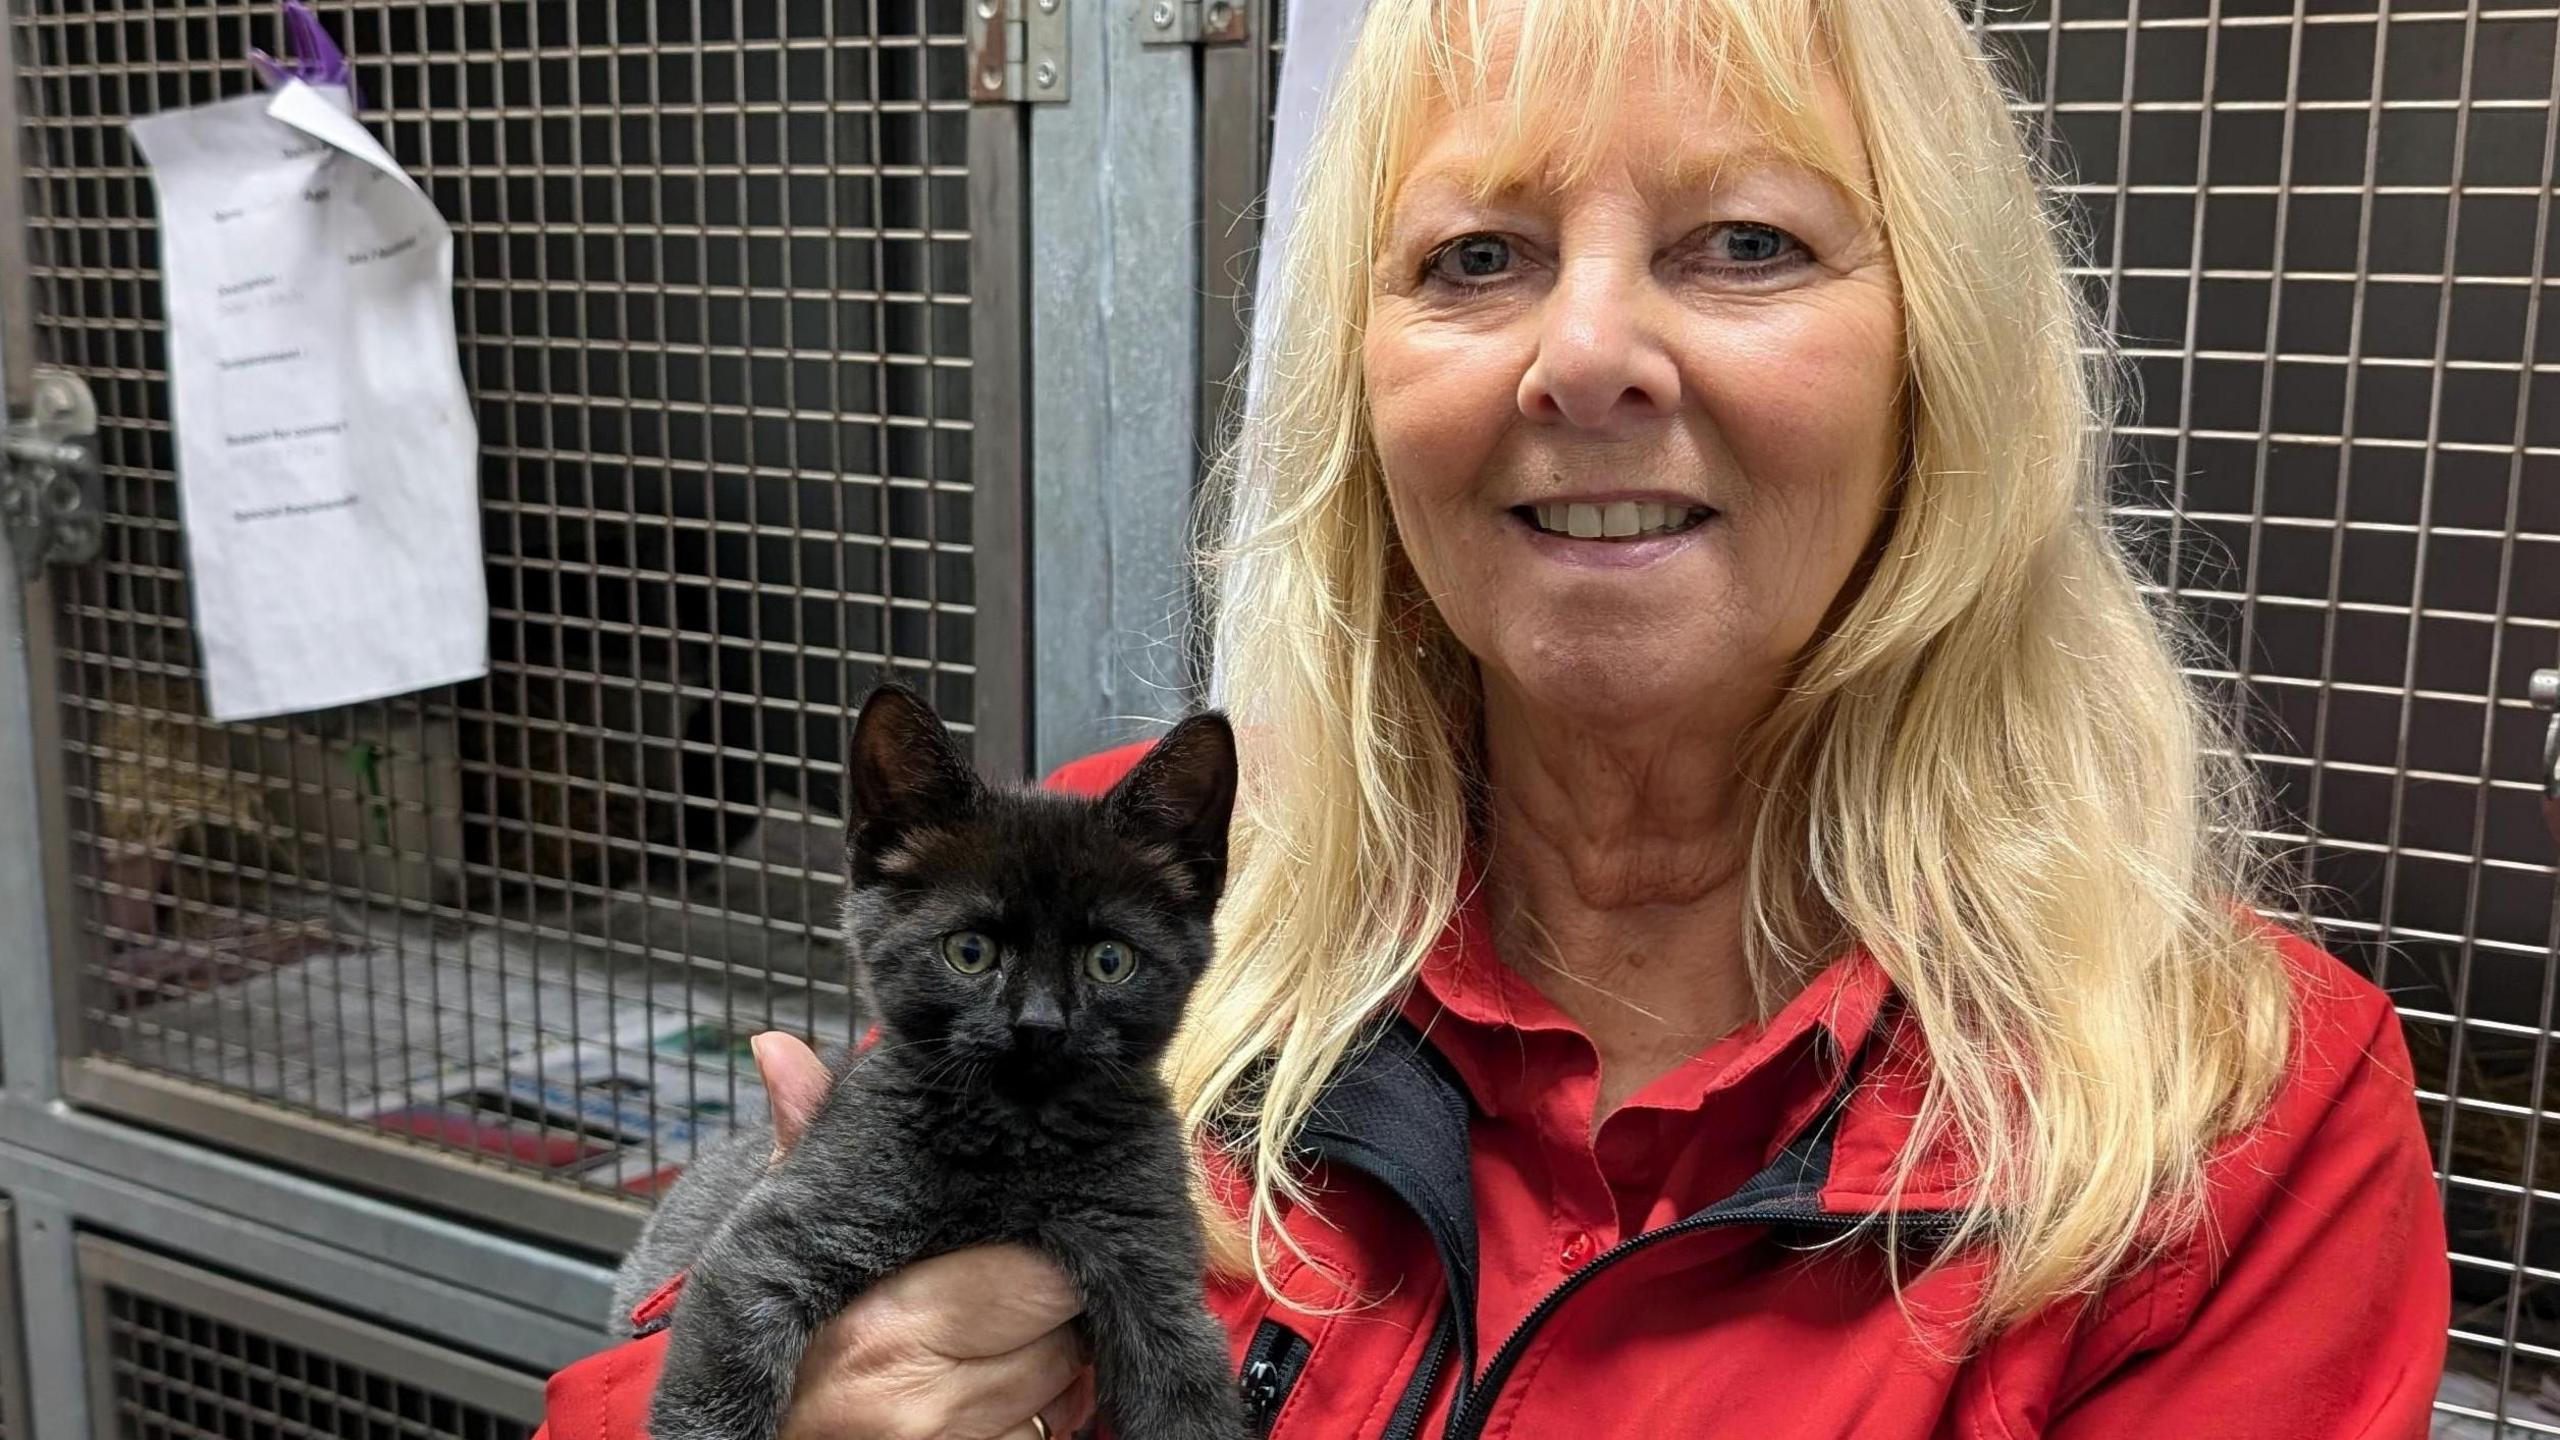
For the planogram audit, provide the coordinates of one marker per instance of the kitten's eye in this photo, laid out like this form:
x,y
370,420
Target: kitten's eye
x,y
968,952
1109,961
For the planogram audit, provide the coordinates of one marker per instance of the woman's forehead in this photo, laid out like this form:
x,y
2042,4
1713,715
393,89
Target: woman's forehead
x,y
1528,96
1476,153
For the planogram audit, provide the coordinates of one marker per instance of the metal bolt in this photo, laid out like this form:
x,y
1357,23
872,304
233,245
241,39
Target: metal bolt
x,y
1048,7
1220,13
991,81
1045,74
2545,689
987,9
1162,15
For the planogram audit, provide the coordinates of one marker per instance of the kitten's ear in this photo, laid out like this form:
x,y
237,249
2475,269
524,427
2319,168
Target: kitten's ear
x,y
901,771
1183,793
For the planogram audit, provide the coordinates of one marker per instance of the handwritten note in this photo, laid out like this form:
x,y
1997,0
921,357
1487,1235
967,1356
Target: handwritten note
x,y
327,460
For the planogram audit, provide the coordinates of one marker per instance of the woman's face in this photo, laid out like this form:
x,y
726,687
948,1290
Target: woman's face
x,y
1637,426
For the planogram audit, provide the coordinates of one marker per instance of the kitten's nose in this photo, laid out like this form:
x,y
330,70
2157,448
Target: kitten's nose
x,y
1039,1020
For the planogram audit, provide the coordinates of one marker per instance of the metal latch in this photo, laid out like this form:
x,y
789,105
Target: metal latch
x,y
1197,22
2546,696
49,497
1018,52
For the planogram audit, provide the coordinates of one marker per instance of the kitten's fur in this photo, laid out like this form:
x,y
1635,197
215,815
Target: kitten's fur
x,y
1019,1104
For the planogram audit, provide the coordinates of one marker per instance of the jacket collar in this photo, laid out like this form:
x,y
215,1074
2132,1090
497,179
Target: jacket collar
x,y
1398,1113
1475,1007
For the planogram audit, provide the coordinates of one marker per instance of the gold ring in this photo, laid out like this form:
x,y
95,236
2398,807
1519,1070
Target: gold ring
x,y
1040,1426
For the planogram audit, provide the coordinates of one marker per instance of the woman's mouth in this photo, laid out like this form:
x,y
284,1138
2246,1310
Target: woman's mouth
x,y
1613,520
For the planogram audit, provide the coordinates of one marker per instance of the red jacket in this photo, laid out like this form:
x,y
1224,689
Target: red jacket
x,y
1667,1274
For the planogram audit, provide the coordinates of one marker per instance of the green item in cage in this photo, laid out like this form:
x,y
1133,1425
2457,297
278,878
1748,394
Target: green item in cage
x,y
365,759
707,1041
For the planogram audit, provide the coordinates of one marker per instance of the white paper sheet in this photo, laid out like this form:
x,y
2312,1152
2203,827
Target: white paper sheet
x,y
327,459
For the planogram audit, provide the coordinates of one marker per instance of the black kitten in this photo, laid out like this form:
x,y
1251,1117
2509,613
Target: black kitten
x,y
1028,956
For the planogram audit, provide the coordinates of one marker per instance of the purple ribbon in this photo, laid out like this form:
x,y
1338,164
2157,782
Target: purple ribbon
x,y
317,60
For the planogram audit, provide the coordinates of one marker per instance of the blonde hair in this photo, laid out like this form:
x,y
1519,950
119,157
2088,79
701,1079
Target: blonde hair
x,y
1987,771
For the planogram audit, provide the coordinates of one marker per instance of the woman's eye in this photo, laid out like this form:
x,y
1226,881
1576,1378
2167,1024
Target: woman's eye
x,y
1471,258
1109,962
968,952
1746,245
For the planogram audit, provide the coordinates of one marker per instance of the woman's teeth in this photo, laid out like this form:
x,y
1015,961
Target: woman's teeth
x,y
1622,520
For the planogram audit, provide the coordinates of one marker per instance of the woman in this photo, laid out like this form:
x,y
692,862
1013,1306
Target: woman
x,y
1738,926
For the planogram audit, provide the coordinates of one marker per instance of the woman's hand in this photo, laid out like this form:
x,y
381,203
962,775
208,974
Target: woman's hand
x,y
966,1346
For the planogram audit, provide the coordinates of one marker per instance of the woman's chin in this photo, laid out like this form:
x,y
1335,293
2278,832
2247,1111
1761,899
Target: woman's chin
x,y
1606,684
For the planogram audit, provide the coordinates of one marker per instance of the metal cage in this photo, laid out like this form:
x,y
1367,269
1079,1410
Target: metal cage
x,y
2323,238
741,312
2322,235
176,1351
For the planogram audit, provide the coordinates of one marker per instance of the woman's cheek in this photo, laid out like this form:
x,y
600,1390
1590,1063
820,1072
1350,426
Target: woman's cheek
x,y
1805,407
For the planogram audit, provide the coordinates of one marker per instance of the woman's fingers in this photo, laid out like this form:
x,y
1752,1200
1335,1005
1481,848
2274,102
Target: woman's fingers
x,y
795,1080
978,1303
1073,1410
965,1346
894,1389
1063,1418
1003,1391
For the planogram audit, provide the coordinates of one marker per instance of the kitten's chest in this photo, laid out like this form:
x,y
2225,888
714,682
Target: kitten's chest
x,y
1010,1175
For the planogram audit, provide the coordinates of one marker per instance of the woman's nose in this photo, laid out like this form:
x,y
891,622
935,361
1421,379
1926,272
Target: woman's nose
x,y
1599,365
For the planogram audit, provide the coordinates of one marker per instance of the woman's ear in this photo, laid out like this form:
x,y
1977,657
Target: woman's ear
x,y
1183,794
902,773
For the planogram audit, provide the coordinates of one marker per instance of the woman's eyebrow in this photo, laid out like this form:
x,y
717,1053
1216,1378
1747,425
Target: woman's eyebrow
x,y
1687,171
1695,170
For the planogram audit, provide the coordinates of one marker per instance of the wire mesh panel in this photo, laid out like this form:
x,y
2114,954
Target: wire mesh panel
x,y
2323,235
174,1351
713,282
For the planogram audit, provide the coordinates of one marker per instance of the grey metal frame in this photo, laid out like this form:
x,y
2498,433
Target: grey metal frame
x,y
15,1421
1000,482
106,1264
1235,157
377,1165
1115,324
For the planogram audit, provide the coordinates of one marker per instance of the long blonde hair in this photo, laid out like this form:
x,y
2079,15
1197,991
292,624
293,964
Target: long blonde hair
x,y
1988,770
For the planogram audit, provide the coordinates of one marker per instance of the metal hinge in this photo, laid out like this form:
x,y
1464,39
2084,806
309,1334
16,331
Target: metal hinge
x,y
2546,696
1018,52
49,500
1198,22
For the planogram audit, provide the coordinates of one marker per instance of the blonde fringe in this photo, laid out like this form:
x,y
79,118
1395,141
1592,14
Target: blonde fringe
x,y
1989,772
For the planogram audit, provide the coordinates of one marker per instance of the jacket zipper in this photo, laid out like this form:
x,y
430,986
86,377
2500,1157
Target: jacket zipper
x,y
1272,1361
1406,1422
1467,1414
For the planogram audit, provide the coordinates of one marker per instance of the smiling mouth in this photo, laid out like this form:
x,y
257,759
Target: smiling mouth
x,y
1618,520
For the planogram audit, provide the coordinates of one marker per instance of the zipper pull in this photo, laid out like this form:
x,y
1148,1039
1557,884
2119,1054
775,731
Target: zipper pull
x,y
1271,1366
1262,1395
